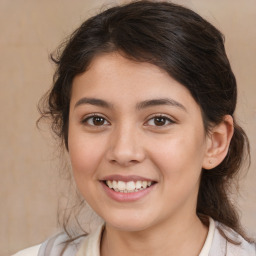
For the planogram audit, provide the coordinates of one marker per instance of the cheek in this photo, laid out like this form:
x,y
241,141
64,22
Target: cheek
x,y
179,168
179,158
85,154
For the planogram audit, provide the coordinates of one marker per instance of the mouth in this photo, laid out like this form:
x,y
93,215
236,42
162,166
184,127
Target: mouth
x,y
129,186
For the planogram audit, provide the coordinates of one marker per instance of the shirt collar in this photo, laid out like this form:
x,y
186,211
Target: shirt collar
x,y
91,244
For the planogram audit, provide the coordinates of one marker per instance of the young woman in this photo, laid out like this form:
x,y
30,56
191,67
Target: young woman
x,y
143,101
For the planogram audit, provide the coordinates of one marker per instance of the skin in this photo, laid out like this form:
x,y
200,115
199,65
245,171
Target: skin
x,y
129,141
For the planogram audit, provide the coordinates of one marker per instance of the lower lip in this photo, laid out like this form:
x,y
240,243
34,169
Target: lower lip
x,y
126,197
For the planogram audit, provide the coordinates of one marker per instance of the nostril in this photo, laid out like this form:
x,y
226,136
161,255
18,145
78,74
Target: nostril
x,y
123,162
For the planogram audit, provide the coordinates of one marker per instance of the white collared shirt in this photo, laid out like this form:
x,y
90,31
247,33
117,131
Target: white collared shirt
x,y
215,244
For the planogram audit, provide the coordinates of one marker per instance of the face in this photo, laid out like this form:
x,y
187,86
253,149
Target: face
x,y
136,143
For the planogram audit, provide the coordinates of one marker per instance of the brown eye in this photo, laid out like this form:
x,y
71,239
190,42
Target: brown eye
x,y
95,120
160,121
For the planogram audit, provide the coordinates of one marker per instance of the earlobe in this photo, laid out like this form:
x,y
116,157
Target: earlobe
x,y
218,142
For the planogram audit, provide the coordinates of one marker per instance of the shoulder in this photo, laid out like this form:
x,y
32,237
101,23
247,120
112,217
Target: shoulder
x,y
228,242
31,251
53,246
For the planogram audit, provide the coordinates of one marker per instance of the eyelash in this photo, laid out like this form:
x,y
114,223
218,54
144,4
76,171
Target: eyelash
x,y
167,119
85,120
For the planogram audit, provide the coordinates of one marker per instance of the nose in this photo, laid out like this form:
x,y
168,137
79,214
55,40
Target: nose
x,y
125,146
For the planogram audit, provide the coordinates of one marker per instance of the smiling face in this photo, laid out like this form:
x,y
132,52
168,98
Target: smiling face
x,y
136,142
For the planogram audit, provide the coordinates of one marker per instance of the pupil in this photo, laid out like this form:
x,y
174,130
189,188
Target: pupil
x,y
159,121
98,121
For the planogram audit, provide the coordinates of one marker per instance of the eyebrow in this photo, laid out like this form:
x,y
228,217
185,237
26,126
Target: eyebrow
x,y
139,106
159,102
95,102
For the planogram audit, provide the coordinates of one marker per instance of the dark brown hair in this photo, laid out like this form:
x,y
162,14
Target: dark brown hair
x,y
186,46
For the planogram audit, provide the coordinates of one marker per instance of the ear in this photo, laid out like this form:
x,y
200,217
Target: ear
x,y
218,143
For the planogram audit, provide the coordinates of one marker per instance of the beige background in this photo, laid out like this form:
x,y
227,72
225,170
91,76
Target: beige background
x,y
29,31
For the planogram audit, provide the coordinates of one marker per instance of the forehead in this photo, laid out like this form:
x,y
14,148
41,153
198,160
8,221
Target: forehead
x,y
117,79
113,65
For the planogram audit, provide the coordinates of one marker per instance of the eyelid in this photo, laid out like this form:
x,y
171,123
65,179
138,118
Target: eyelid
x,y
168,118
87,117
84,119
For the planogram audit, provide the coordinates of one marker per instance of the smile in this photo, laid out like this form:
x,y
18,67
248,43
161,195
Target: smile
x,y
128,187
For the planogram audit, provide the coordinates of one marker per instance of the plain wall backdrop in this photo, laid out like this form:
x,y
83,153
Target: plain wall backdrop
x,y
29,31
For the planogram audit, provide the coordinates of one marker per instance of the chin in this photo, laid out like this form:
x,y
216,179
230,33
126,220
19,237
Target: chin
x,y
129,227
129,223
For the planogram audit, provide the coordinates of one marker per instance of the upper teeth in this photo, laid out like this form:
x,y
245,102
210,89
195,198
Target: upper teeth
x,y
130,186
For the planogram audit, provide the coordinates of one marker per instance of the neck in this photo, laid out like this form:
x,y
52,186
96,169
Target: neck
x,y
177,237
